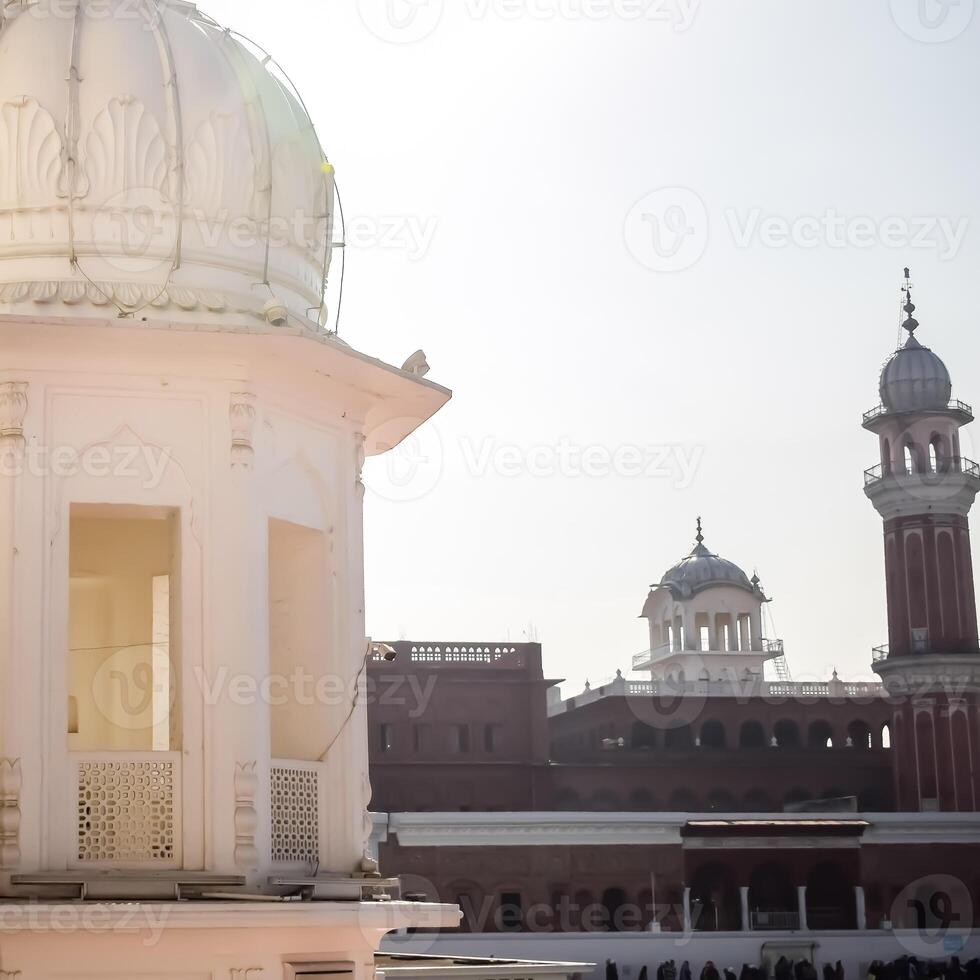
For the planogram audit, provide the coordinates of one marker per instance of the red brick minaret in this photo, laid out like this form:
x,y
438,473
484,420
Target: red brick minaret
x,y
923,489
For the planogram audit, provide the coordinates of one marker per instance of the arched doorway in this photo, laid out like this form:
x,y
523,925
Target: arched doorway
x,y
715,905
830,902
772,898
752,735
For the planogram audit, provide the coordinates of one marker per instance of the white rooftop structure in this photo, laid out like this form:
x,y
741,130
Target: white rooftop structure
x,y
182,627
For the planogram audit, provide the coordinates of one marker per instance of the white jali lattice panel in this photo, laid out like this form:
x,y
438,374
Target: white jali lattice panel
x,y
295,815
127,812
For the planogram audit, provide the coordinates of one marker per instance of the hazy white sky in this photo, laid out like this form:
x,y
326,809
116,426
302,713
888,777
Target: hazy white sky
x,y
655,248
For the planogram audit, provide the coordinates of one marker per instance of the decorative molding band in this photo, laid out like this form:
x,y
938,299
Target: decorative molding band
x,y
13,410
11,781
242,414
246,816
133,295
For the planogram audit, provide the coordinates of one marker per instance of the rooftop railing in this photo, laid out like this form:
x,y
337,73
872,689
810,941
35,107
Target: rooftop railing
x,y
941,467
501,655
954,406
879,654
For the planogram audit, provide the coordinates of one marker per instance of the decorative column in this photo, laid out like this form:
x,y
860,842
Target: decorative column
x,y
801,903
861,909
744,897
687,910
13,411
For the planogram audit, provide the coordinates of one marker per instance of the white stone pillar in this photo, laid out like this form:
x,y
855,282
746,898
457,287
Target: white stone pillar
x,y
713,641
744,897
687,910
801,901
755,619
732,633
861,908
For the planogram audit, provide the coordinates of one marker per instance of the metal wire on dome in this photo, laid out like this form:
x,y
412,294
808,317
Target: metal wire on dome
x,y
268,59
284,84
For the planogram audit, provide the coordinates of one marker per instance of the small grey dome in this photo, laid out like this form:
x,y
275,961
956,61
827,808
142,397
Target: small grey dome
x,y
915,380
702,569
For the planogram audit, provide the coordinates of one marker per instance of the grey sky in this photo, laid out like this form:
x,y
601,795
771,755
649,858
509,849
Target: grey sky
x,y
492,154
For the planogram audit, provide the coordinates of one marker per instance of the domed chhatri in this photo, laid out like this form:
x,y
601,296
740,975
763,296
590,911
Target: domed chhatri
x,y
702,569
914,379
174,175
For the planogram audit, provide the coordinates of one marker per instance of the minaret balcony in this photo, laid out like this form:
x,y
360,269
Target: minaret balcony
x,y
938,473
960,412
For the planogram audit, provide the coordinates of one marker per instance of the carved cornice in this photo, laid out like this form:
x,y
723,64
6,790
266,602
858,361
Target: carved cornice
x,y
13,410
130,295
11,782
246,816
242,417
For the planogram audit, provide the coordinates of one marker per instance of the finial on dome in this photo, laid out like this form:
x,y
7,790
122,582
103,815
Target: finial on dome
x,y
700,537
910,324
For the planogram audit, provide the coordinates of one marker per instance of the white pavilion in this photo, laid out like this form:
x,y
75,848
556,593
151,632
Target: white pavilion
x,y
183,759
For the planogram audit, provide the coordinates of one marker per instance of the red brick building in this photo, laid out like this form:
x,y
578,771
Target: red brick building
x,y
702,795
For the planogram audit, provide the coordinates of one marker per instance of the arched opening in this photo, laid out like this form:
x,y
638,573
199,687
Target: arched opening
x,y
568,800
721,801
772,898
715,904
886,736
859,732
469,898
679,738
682,801
829,898
787,734
909,459
796,796
820,735
933,457
759,801
643,736
614,905
713,735
752,735
585,914
605,801
643,800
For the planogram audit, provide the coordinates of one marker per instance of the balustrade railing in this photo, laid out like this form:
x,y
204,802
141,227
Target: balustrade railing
x,y
954,406
936,470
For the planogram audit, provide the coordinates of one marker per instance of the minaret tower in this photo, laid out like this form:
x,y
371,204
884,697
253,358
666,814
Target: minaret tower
x,y
923,489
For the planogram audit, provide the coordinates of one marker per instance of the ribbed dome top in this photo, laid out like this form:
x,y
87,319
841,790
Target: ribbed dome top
x,y
150,161
702,569
915,379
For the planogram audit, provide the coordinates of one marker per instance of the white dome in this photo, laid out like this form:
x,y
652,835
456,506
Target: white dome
x,y
702,569
915,379
177,177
